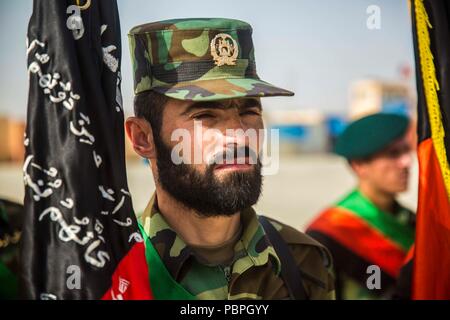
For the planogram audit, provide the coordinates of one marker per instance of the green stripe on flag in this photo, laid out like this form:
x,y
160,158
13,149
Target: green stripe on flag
x,y
163,286
384,222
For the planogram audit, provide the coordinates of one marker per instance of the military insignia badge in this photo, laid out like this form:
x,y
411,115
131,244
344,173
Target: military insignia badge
x,y
224,50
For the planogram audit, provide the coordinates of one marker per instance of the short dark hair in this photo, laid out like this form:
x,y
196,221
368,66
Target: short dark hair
x,y
363,159
150,105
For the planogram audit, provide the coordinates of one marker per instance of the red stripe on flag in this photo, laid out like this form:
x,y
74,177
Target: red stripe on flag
x,y
130,280
359,237
431,277
410,254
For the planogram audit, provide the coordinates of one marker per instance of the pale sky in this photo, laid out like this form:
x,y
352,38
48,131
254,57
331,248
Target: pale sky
x,y
315,48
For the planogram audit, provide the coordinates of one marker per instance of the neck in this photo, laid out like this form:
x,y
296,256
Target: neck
x,y
382,200
192,227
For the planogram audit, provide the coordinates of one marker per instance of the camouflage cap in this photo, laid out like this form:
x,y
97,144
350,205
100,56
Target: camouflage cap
x,y
197,59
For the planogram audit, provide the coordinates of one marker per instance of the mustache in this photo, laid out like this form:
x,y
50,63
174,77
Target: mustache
x,y
230,154
406,172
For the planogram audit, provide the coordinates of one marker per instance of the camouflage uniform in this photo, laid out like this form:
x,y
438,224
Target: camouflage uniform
x,y
204,60
254,272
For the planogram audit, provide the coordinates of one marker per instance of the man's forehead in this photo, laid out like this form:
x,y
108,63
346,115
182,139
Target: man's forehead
x,y
228,103
221,104
399,143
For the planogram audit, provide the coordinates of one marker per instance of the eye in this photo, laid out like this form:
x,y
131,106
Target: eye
x,y
396,153
250,112
203,116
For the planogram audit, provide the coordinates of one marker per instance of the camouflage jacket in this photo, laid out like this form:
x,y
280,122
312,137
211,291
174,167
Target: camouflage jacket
x,y
255,271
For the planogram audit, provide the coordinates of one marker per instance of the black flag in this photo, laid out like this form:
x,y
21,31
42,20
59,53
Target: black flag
x,y
79,222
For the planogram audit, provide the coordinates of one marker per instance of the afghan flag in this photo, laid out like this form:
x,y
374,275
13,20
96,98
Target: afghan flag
x,y
80,236
431,30
359,235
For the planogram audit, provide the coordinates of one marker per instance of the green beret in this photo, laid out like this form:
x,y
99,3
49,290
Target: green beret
x,y
369,135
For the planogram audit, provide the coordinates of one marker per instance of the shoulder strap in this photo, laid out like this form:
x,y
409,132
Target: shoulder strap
x,y
289,270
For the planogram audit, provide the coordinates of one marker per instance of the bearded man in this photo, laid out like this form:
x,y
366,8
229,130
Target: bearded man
x,y
200,222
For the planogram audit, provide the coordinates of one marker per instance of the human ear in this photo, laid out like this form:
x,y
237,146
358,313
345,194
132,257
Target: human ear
x,y
140,133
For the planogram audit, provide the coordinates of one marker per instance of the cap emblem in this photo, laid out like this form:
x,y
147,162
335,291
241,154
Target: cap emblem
x,y
224,50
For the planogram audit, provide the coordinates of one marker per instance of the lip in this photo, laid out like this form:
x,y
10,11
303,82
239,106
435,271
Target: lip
x,y
235,166
404,176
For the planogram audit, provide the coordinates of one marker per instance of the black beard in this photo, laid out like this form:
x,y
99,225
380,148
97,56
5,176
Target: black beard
x,y
204,193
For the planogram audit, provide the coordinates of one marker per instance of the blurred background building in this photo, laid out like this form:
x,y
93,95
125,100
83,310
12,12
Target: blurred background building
x,y
370,96
11,139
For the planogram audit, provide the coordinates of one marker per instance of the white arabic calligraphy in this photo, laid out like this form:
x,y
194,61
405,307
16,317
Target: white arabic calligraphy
x,y
37,186
47,81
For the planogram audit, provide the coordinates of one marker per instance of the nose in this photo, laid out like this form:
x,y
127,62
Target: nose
x,y
234,128
234,120
405,160
237,129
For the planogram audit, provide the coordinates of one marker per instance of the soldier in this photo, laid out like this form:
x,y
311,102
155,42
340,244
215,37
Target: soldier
x,y
200,219
368,229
